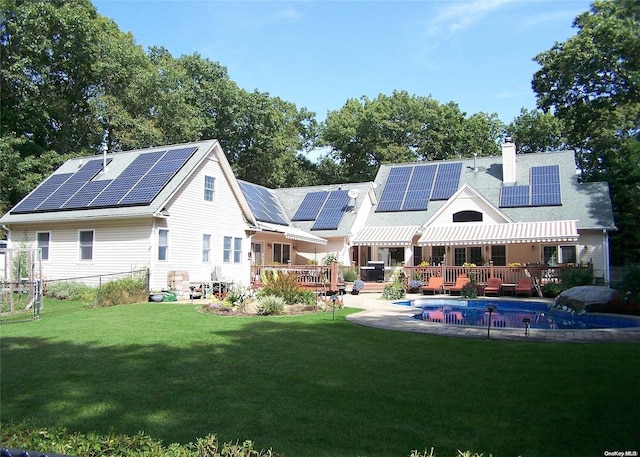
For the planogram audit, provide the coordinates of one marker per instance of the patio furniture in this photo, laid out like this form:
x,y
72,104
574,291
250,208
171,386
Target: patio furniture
x,y
493,286
524,287
461,281
435,285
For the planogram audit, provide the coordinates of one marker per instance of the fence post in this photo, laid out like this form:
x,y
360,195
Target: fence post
x,y
334,276
99,289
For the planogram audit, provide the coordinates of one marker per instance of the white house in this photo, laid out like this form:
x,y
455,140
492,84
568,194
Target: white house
x,y
179,211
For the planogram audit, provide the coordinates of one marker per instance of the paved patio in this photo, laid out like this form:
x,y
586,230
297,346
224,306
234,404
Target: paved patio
x,y
384,314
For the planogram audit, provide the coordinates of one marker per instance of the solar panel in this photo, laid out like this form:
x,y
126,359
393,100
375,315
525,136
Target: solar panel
x,y
71,186
310,206
446,181
35,198
545,186
419,188
89,192
263,204
514,196
146,189
332,212
394,189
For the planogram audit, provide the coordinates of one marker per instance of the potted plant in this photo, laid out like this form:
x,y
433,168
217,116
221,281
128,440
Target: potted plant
x,y
358,284
414,286
349,275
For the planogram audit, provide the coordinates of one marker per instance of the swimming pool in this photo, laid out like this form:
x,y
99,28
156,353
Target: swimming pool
x,y
510,314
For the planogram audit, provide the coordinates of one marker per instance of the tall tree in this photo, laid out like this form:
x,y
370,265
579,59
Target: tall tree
x,y
403,128
592,83
537,131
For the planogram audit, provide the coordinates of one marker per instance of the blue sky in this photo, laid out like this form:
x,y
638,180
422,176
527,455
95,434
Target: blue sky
x,y
318,54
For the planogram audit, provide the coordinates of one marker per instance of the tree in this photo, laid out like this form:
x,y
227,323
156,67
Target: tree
x,y
592,84
537,131
404,128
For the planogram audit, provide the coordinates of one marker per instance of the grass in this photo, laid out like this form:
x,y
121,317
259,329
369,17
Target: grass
x,y
311,386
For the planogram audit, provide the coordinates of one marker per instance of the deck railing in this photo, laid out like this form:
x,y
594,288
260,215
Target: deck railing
x,y
312,276
328,277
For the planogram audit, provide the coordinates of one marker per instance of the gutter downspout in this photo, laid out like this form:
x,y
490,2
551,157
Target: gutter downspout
x,y
607,267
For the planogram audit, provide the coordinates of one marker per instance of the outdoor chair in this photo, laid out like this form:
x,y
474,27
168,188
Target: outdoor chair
x,y
524,287
493,286
435,285
461,281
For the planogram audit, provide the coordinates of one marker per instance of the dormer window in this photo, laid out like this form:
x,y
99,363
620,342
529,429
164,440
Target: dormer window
x,y
467,216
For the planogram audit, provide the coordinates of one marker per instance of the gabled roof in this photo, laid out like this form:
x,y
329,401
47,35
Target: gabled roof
x,y
133,184
588,203
324,211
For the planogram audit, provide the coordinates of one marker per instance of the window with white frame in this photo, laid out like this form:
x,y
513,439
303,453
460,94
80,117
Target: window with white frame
x,y
232,250
209,188
237,250
43,238
163,244
85,241
281,252
206,248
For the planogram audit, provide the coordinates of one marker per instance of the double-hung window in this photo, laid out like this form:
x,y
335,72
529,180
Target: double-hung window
x,y
163,244
206,248
85,239
232,250
209,188
43,239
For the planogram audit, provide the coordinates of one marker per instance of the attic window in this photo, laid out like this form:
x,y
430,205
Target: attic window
x,y
467,216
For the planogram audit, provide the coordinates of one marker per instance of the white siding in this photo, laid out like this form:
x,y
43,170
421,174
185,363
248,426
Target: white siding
x,y
190,216
591,249
118,246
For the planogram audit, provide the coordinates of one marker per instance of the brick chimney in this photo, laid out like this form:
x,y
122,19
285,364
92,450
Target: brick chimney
x,y
508,161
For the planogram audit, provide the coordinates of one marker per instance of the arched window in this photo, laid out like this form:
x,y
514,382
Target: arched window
x,y
467,216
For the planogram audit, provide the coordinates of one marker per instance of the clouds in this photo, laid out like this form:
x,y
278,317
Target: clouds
x,y
456,16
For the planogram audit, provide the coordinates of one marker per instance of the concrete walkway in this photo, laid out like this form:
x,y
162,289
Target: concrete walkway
x,y
384,314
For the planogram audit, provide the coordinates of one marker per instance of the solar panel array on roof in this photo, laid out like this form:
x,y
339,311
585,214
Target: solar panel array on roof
x,y
545,186
310,206
332,211
263,204
514,196
138,184
447,181
410,188
544,189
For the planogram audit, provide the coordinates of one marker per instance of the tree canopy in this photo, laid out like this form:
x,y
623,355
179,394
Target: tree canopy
x,y
591,82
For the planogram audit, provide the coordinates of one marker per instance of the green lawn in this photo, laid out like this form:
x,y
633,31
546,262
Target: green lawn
x,y
312,386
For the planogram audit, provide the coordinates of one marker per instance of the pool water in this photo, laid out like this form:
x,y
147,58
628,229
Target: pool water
x,y
510,314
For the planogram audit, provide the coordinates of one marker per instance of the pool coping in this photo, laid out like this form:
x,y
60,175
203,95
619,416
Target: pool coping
x,y
385,314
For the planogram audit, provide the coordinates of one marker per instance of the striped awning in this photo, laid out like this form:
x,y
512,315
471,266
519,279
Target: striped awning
x,y
519,232
291,233
385,236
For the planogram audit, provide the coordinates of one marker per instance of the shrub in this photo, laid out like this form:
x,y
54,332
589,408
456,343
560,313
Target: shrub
x,y
349,274
571,277
70,290
470,290
394,291
306,297
124,291
61,441
551,290
271,305
281,284
238,295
